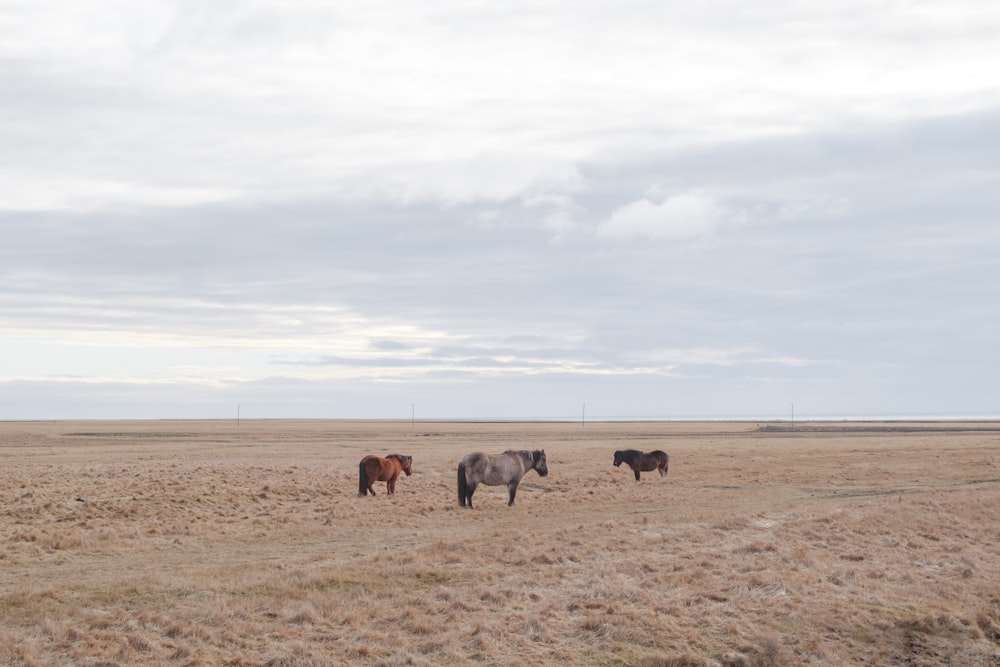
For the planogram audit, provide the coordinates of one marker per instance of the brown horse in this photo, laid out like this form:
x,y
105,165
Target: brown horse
x,y
376,469
644,461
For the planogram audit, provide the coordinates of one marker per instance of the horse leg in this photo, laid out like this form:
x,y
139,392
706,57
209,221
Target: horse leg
x,y
636,471
511,492
463,490
470,489
390,484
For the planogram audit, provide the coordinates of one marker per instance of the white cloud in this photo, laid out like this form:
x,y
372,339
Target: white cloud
x,y
55,192
234,190
560,214
438,101
706,356
690,215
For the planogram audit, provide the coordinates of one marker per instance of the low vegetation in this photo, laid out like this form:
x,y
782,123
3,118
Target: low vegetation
x,y
194,543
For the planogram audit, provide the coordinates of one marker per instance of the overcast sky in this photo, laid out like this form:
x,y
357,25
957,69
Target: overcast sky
x,y
306,208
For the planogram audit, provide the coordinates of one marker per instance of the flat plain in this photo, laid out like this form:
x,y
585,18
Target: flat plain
x,y
212,543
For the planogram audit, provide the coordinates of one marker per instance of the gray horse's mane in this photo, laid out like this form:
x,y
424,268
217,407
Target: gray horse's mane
x,y
525,453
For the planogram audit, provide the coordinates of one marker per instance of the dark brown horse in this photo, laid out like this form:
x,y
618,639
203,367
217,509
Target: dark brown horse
x,y
493,470
376,469
644,461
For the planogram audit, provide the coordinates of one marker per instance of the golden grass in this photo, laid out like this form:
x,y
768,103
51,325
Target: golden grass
x,y
192,543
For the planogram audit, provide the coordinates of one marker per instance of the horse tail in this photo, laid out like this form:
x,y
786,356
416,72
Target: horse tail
x,y
666,464
362,479
463,484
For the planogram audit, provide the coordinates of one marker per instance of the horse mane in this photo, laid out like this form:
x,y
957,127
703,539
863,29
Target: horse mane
x,y
524,454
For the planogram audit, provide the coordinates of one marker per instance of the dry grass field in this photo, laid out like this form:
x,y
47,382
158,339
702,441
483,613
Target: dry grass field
x,y
194,543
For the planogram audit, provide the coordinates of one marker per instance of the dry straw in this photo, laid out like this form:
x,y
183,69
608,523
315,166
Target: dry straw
x,y
173,543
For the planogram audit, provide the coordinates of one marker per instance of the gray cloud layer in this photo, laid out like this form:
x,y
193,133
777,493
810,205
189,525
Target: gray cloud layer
x,y
660,210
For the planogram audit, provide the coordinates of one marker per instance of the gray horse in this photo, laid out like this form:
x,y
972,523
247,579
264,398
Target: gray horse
x,y
493,470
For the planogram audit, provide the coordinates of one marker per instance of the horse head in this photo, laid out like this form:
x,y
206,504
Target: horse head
x,y
619,458
407,463
538,459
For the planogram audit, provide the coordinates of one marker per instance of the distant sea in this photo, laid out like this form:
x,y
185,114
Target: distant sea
x,y
747,418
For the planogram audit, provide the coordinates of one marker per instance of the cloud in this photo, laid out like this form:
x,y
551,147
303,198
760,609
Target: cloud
x,y
701,356
311,198
21,192
686,216
439,102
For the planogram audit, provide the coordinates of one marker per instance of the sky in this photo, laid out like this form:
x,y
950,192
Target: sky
x,y
520,210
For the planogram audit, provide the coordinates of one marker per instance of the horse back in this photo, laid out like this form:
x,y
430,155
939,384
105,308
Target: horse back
x,y
376,467
475,461
492,470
